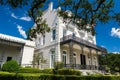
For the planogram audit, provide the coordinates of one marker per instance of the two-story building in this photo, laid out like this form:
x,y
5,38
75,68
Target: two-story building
x,y
66,43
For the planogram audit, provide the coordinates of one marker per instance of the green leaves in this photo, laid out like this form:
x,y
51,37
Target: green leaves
x,y
88,12
14,3
112,61
34,12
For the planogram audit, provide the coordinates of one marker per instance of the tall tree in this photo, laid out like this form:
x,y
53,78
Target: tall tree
x,y
86,12
81,12
112,61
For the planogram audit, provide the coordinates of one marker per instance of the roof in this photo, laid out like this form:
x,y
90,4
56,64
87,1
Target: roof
x,y
16,40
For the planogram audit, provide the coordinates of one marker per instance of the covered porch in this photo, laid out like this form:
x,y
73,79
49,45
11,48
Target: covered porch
x,y
80,54
10,50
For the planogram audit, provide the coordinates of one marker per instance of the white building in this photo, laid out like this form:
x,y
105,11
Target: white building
x,y
75,48
13,48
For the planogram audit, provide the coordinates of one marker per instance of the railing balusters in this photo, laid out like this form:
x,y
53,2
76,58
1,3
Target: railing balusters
x,y
84,42
85,67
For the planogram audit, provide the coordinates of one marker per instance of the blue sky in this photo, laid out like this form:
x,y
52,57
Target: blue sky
x,y
15,22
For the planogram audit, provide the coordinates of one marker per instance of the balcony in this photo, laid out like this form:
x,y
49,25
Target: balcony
x,y
80,41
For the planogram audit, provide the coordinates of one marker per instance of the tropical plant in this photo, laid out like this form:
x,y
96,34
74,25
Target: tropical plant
x,y
38,59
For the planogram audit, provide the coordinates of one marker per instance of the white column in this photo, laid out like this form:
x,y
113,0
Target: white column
x,y
21,54
58,37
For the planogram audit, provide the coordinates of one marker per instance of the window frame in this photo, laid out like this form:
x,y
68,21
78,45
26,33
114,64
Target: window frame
x,y
53,35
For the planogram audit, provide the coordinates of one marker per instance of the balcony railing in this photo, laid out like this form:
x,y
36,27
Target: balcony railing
x,y
83,42
84,67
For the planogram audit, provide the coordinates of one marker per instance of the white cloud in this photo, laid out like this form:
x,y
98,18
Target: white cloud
x,y
115,32
103,46
13,15
26,18
21,31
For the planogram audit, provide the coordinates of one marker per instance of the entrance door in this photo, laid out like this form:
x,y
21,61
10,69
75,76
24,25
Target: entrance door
x,y
83,59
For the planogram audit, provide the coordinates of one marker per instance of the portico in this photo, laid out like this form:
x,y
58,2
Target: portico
x,y
80,54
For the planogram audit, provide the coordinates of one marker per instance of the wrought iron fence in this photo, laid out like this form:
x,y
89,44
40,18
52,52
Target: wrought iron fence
x,y
84,67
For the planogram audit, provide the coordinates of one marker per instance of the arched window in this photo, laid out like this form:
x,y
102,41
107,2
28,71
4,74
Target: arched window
x,y
64,57
52,59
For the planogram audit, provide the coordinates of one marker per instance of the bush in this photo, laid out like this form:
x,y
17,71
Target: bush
x,y
65,71
26,76
10,66
29,70
35,70
48,71
58,65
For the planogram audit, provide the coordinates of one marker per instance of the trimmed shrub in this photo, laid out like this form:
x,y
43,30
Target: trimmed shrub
x,y
27,76
65,71
10,66
35,70
58,65
29,70
48,71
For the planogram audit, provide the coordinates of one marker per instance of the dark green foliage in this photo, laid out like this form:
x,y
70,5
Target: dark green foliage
x,y
57,65
11,76
14,3
112,61
35,70
69,72
34,12
29,70
10,66
86,12
48,71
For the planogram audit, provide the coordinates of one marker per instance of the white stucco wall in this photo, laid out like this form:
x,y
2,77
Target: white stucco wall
x,y
19,49
28,52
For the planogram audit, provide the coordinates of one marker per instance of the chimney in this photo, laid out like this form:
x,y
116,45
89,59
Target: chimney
x,y
51,6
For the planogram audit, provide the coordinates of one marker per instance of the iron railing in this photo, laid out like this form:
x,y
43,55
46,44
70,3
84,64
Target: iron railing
x,y
84,67
83,42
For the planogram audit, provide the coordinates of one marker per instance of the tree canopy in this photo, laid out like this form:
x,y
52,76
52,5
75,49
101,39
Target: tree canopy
x,y
82,13
87,12
112,61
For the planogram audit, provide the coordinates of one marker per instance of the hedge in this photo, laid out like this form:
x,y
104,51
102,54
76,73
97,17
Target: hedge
x,y
27,76
35,70
63,71
67,71
29,70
